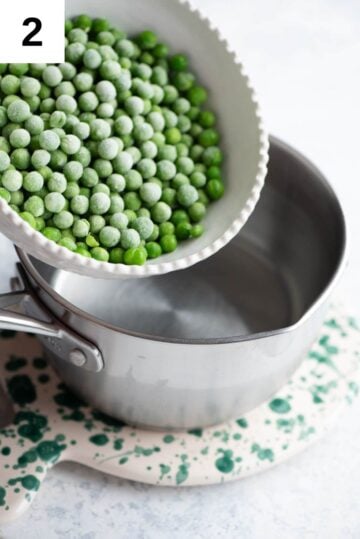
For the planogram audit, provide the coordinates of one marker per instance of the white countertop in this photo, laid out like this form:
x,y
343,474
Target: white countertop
x,y
303,58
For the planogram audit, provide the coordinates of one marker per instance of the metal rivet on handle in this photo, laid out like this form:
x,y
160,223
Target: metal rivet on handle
x,y
77,358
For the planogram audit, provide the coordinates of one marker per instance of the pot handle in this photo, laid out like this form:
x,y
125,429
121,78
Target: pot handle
x,y
57,337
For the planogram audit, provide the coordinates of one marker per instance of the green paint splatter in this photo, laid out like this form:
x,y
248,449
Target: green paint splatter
x,y
34,427
164,470
242,423
77,416
123,460
263,454
2,496
50,451
196,432
15,364
280,406
21,389
183,471
6,451
39,363
29,482
118,444
99,439
237,436
225,464
168,439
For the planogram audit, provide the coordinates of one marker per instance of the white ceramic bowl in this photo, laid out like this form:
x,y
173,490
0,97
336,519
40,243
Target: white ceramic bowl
x,y
244,140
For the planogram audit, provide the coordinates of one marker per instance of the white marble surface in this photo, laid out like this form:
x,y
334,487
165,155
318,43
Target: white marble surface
x,y
304,60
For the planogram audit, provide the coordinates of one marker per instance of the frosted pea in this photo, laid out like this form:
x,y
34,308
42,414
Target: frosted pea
x,y
126,48
82,130
18,111
108,149
20,138
33,182
149,149
34,125
35,70
5,195
52,76
105,110
138,121
20,159
30,87
158,94
65,88
103,167
83,82
116,204
166,170
57,183
99,203
143,132
63,220
130,239
187,195
123,162
79,205
185,165
134,105
133,180
119,220
57,119
135,154
157,120
4,161
72,190
107,53
150,193
90,177
100,130
83,156
3,116
110,70
109,236
68,70
179,180
77,35
35,206
171,119
17,198
105,90
66,103
49,140
161,212
10,84
167,153
55,202
81,228
144,226
198,179
73,171
116,183
123,83
159,76
147,168
92,59
47,105
74,52
70,144
97,222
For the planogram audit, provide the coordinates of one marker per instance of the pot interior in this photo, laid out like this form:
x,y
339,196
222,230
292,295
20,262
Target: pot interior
x,y
265,280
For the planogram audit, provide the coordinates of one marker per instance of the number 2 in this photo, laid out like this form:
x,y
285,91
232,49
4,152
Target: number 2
x,y
28,40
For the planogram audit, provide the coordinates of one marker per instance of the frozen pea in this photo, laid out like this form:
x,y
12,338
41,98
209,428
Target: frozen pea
x,y
52,76
105,90
116,183
108,149
79,205
12,180
97,223
18,111
83,82
185,165
92,59
149,150
119,220
57,183
134,105
130,239
100,130
81,130
20,159
66,103
187,195
81,228
123,162
68,70
55,202
161,212
49,140
34,125
166,170
35,206
167,153
144,226
99,203
88,102
33,182
63,220
133,180
150,193
109,236
123,125
20,138
135,154
116,204
57,119
73,171
147,168
30,87
4,161
70,144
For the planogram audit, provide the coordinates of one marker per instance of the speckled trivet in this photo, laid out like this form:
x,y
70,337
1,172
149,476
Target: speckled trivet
x,y
51,425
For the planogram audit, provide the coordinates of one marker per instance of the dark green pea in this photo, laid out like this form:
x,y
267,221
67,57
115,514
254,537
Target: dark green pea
x,y
183,230
153,250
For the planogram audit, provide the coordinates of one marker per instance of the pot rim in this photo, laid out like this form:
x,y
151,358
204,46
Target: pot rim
x,y
322,298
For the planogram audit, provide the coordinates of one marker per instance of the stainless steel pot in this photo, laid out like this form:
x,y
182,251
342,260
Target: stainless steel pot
x,y
199,346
